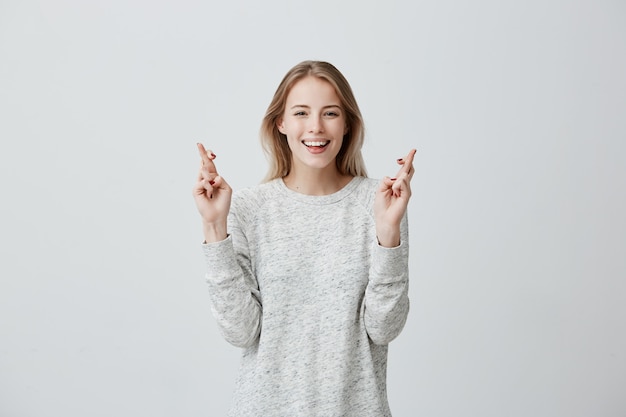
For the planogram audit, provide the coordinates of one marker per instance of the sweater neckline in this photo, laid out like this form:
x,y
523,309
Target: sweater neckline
x,y
319,199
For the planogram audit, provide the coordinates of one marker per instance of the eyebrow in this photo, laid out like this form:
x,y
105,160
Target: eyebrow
x,y
308,107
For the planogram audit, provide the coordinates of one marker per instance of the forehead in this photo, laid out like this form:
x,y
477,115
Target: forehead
x,y
312,90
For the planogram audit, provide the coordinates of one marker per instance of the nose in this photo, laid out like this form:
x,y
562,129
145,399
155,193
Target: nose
x,y
315,124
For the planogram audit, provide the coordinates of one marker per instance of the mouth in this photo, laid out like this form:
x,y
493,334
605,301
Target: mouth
x,y
315,143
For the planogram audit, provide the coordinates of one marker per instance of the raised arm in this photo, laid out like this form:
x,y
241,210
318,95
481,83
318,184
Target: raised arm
x,y
386,297
233,290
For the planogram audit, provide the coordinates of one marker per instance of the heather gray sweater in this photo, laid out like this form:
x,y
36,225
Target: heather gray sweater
x,y
302,285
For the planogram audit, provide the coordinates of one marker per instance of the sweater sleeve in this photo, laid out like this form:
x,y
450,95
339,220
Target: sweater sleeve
x,y
386,304
233,289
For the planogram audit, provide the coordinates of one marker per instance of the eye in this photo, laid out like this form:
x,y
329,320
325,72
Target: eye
x,y
300,113
331,113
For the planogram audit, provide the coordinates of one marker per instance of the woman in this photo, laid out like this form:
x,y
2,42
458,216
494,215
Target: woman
x,y
308,272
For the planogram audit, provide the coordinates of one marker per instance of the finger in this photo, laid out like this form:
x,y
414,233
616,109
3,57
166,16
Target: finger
x,y
208,171
204,187
202,151
386,183
216,182
408,160
198,188
407,164
409,157
207,157
204,174
401,186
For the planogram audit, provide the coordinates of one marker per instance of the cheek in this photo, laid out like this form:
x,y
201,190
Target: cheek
x,y
291,128
292,142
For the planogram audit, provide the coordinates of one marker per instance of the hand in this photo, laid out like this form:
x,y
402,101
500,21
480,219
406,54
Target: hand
x,y
212,195
392,199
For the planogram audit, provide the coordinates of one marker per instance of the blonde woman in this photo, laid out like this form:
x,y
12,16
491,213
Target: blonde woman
x,y
308,271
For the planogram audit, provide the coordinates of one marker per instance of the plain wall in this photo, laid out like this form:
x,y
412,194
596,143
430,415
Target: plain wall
x,y
518,248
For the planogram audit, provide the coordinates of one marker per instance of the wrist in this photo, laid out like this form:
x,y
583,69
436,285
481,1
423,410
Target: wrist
x,y
214,232
388,237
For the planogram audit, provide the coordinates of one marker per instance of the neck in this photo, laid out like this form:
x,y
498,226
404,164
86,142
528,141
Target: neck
x,y
316,181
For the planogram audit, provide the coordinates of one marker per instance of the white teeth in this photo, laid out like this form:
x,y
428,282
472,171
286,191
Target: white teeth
x,y
315,143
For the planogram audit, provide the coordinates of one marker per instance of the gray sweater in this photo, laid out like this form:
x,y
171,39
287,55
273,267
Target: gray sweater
x,y
303,286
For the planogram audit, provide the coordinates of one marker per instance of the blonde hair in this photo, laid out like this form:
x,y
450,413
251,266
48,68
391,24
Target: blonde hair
x,y
349,159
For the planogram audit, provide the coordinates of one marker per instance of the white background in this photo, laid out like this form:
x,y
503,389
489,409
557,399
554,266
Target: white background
x,y
518,248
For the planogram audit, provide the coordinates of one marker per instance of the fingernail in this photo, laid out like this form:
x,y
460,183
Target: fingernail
x,y
211,182
400,159
393,179
213,155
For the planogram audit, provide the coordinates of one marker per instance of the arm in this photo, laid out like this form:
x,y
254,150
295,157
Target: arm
x,y
386,296
232,288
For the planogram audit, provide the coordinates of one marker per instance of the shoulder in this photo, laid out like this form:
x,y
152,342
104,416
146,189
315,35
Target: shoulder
x,y
367,185
365,191
246,202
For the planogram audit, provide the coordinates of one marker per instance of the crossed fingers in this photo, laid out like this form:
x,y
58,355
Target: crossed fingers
x,y
407,165
208,171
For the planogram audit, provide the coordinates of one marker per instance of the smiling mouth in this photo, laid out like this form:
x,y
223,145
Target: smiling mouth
x,y
315,143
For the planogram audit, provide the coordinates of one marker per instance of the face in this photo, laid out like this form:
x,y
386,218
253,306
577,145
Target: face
x,y
314,124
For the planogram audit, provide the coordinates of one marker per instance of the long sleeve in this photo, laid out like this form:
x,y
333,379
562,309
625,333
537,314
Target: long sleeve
x,y
233,290
386,304
302,284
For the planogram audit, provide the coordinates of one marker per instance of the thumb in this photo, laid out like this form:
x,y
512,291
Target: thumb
x,y
386,183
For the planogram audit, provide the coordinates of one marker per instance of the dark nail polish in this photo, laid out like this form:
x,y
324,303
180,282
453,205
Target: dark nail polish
x,y
400,159
211,182
212,155
393,179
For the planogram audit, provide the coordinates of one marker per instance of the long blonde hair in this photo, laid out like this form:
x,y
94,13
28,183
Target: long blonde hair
x,y
349,159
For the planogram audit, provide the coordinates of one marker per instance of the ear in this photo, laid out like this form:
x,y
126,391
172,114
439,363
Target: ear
x,y
281,126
